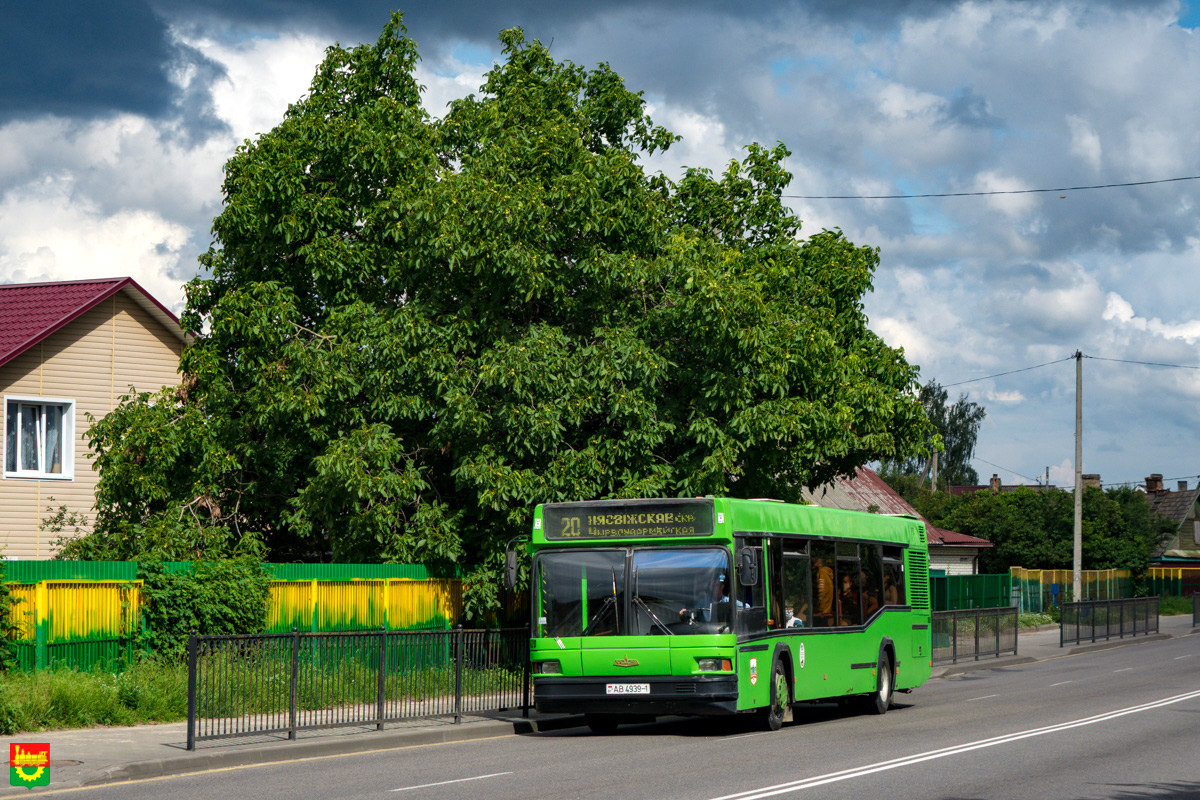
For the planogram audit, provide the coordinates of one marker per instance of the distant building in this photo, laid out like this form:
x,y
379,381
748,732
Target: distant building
x,y
69,349
955,553
995,487
1180,506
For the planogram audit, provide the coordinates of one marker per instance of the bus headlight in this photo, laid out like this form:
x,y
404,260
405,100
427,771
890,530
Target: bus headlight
x,y
714,664
546,668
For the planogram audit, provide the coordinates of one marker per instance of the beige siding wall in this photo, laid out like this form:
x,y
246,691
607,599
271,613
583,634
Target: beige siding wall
x,y
93,361
954,560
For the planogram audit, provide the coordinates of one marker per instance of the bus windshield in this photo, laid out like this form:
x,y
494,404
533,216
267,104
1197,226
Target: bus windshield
x,y
665,591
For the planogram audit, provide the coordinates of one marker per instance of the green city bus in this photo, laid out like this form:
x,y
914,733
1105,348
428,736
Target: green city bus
x,y
719,606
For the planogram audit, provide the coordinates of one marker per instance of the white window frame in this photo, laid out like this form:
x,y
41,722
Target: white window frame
x,y
68,438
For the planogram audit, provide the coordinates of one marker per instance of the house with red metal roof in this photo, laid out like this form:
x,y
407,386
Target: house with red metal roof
x,y
69,349
955,553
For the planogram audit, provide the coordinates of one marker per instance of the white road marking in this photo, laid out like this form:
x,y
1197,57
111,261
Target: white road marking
x,y
456,780
985,697
1060,683
1123,670
1189,655
857,772
744,735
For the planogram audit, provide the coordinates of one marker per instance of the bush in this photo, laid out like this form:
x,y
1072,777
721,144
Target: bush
x,y
8,631
219,598
1035,620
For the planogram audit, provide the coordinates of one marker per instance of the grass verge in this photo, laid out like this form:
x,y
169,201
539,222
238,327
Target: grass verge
x,y
148,691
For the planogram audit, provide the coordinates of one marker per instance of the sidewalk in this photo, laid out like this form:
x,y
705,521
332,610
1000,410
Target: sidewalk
x,y
106,755
1042,643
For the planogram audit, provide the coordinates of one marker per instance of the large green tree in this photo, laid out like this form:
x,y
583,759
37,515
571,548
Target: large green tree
x,y
416,329
957,427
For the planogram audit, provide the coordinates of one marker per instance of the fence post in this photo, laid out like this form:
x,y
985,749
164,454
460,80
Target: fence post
x,y
294,678
191,720
976,634
458,673
997,633
527,670
382,676
954,637
1123,619
41,634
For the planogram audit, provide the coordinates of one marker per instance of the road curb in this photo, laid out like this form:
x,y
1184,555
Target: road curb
x,y
997,663
1110,644
296,750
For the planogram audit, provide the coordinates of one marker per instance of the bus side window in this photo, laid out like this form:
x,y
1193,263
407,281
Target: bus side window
x,y
823,589
893,576
796,591
849,585
751,600
872,579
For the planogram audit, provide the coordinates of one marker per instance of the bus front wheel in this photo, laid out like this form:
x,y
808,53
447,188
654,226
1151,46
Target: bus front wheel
x,y
772,715
880,700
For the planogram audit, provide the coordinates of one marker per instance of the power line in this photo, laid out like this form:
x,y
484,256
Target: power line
x,y
1010,372
1006,469
1144,363
983,194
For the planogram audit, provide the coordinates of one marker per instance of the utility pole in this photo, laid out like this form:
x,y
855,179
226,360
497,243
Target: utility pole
x,y
1077,589
935,466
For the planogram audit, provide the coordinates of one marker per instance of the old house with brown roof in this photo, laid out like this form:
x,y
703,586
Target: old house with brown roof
x,y
69,349
955,553
1181,507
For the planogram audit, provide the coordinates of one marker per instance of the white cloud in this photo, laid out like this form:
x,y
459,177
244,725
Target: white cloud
x,y
1085,142
1118,309
1008,398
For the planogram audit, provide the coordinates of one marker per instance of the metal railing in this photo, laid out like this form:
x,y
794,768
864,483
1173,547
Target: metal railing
x,y
1196,610
974,633
1097,620
281,683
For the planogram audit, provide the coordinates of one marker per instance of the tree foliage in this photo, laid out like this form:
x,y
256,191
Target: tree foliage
x,y
1035,529
211,599
416,329
957,427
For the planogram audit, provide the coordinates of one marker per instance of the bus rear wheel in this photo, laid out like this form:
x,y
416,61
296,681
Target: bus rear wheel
x,y
880,700
602,724
772,715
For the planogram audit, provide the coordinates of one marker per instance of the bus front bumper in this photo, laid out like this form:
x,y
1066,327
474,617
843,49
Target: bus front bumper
x,y
669,694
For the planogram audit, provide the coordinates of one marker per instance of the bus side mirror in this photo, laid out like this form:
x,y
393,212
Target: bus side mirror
x,y
510,569
747,568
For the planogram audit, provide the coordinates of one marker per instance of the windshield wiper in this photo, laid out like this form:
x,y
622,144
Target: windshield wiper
x,y
637,598
609,602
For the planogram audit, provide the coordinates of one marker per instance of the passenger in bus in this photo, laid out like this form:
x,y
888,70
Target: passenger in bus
x,y
791,619
870,597
891,596
848,603
825,592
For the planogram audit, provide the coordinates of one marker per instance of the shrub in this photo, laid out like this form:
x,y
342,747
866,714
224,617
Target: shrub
x,y
8,630
223,597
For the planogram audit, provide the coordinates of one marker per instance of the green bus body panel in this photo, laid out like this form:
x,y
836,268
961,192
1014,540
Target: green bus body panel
x,y
823,663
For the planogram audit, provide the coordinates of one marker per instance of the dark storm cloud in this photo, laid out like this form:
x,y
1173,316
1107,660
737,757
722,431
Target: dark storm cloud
x,y
83,59
88,60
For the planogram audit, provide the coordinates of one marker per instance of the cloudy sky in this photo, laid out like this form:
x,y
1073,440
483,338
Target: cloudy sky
x,y
116,118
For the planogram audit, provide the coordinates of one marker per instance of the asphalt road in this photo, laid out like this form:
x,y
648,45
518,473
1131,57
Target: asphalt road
x,y
1122,723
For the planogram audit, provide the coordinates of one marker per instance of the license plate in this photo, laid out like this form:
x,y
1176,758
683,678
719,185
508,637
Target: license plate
x,y
627,688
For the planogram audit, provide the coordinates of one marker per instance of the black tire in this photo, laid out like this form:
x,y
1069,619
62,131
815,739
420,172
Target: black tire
x,y
880,700
772,716
602,724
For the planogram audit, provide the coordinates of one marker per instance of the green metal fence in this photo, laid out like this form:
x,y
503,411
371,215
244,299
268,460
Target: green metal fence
x,y
87,614
958,592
